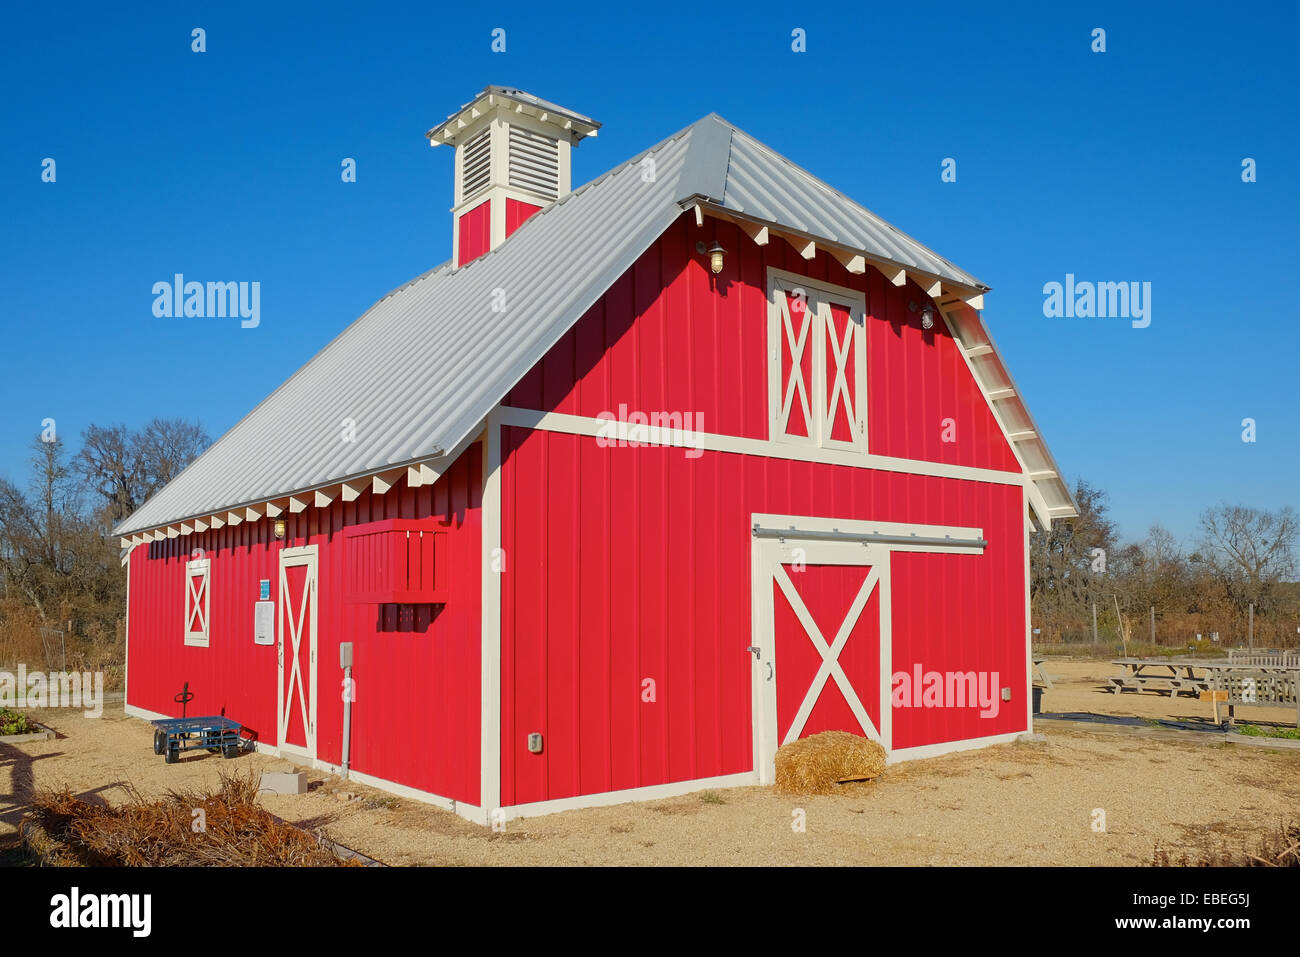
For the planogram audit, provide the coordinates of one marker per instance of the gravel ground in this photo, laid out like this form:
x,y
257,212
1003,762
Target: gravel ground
x,y
1029,803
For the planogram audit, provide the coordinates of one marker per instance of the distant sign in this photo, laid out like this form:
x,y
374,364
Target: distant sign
x,y
265,589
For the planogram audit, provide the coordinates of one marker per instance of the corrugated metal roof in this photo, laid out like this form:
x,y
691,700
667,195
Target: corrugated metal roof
x,y
423,366
765,185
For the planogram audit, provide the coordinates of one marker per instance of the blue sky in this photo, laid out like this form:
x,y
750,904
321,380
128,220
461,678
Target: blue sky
x,y
1115,166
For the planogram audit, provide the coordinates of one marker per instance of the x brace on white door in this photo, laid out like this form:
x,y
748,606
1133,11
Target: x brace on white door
x,y
196,585
796,383
296,689
298,626
830,666
198,602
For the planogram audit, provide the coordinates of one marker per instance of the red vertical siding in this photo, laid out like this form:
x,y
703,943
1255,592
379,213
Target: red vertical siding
x,y
626,609
668,336
417,713
474,233
516,212
650,579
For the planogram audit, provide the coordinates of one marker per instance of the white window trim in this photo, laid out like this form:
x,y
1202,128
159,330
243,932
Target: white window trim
x,y
820,296
198,568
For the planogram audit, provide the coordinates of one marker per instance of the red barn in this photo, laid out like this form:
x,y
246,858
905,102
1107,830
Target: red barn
x,y
652,477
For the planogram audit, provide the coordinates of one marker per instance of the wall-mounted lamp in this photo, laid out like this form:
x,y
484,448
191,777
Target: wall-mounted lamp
x,y
715,254
927,314
279,528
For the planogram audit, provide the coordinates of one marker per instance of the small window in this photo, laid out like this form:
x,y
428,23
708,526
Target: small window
x,y
817,363
198,602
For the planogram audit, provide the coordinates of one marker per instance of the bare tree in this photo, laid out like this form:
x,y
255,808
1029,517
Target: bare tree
x,y
1065,573
126,467
166,446
1248,551
40,531
109,461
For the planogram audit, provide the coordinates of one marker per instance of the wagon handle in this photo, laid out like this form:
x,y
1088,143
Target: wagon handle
x,y
184,698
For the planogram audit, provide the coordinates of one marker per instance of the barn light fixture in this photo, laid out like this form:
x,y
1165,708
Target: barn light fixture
x,y
279,528
715,254
927,314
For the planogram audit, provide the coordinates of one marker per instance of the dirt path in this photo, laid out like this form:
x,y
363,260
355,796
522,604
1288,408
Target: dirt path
x,y
1014,804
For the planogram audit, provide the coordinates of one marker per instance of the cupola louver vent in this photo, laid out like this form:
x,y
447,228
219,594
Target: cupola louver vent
x,y
478,163
534,162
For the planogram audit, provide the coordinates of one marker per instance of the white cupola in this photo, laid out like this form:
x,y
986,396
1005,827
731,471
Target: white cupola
x,y
512,158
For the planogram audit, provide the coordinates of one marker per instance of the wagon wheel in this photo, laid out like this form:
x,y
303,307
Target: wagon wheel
x,y
159,741
173,752
230,749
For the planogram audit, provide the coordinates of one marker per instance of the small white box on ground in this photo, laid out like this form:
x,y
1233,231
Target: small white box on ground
x,y
283,782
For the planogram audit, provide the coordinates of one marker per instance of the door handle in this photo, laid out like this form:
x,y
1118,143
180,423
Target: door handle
x,y
769,671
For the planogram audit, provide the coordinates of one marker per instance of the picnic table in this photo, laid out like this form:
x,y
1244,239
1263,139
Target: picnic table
x,y
1042,681
1254,686
1171,676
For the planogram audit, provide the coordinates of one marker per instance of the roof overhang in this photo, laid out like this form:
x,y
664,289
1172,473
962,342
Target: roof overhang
x,y
853,260
492,98
425,471
960,304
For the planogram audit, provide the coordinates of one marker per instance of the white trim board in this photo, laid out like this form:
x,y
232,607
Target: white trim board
x,y
126,660
490,617
1041,508
144,713
712,442
1029,631
948,747
606,798
470,812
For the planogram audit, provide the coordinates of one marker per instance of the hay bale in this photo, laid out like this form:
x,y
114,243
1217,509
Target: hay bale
x,y
817,763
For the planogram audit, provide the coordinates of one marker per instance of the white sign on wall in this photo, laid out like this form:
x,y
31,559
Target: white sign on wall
x,y
264,623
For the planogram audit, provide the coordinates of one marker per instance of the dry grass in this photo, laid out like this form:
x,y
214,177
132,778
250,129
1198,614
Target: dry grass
x,y
102,648
816,764
63,830
1280,848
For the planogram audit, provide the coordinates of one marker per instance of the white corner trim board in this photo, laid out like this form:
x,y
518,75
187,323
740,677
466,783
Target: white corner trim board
x,y
490,639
